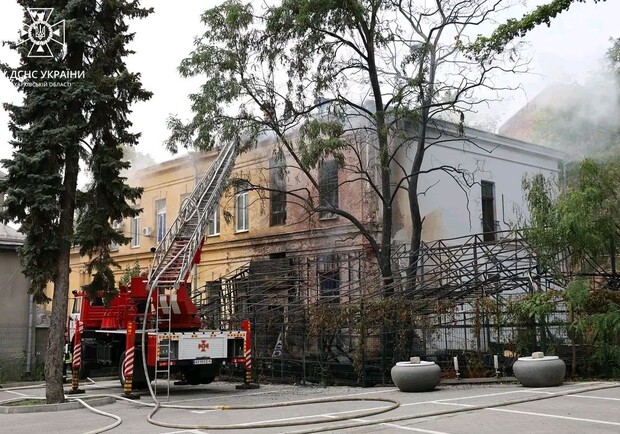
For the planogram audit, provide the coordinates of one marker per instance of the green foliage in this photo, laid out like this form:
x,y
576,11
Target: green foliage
x,y
62,125
516,28
133,271
55,127
613,57
601,330
336,78
582,221
320,140
577,293
536,304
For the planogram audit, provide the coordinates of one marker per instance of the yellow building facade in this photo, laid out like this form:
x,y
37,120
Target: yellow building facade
x,y
251,224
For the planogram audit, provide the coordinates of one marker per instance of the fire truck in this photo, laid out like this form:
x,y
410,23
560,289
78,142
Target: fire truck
x,y
153,316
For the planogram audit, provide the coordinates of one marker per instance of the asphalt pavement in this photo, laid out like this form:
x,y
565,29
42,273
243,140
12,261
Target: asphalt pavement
x,y
588,407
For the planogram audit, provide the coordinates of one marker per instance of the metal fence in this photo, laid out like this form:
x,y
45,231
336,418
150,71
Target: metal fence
x,y
16,363
326,318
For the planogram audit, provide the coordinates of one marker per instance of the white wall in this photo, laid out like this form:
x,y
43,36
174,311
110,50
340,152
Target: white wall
x,y
492,158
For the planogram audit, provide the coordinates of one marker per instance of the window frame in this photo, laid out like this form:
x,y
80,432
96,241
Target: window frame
x,y
214,223
160,232
242,194
135,235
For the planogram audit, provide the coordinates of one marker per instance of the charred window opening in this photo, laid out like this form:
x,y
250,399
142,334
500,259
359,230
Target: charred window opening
x,y
488,210
328,188
329,278
277,195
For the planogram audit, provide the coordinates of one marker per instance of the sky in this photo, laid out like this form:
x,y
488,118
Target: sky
x,y
568,51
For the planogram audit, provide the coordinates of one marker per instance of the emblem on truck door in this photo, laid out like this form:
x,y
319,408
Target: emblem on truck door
x,y
203,346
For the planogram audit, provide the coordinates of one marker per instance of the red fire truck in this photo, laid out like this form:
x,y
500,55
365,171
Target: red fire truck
x,y
154,315
180,347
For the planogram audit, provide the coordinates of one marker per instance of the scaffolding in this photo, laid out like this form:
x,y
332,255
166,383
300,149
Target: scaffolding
x,y
325,318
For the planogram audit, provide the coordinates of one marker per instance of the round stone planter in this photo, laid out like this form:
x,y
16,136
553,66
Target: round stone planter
x,y
416,375
539,370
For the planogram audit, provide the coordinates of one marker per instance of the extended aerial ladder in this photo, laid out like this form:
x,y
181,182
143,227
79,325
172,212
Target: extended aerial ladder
x,y
177,253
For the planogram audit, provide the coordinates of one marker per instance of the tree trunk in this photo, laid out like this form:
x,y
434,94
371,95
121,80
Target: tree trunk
x,y
571,320
54,358
414,206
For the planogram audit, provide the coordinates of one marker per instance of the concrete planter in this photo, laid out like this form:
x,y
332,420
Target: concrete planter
x,y
416,375
539,370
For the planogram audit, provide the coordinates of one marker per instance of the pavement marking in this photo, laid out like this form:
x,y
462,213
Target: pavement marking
x,y
452,403
328,415
15,393
403,427
234,395
437,401
207,411
595,397
540,392
409,428
195,431
276,391
555,416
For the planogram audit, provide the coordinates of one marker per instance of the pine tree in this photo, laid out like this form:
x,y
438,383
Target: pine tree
x,y
78,115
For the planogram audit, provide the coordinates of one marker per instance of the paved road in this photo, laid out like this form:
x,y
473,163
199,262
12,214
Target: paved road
x,y
571,408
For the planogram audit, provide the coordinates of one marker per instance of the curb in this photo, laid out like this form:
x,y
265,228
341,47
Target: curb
x,y
93,402
470,381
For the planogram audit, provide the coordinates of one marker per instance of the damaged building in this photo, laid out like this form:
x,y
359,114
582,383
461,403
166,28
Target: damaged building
x,y
309,281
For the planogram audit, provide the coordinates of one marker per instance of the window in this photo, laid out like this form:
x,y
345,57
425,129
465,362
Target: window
x,y
135,231
214,222
328,187
242,208
277,195
117,225
160,219
488,210
329,278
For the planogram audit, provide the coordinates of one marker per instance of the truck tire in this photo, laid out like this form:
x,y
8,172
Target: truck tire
x,y
198,375
139,381
207,380
84,371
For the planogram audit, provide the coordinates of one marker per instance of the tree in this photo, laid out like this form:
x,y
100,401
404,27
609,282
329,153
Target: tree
x,y
79,115
583,224
356,81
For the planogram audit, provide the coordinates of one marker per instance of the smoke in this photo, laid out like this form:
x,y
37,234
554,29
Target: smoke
x,y
580,118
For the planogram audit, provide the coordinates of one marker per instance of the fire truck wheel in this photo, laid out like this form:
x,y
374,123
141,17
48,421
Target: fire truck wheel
x,y
207,380
192,376
84,371
195,376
